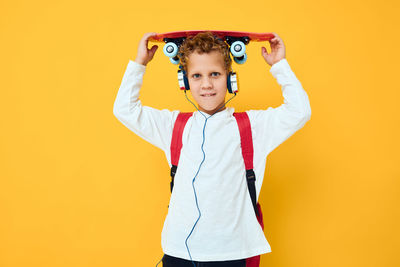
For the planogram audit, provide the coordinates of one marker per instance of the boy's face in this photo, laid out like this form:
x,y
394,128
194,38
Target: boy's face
x,y
207,80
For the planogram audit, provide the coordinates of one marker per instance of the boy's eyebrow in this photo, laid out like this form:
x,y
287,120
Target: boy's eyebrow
x,y
192,72
198,73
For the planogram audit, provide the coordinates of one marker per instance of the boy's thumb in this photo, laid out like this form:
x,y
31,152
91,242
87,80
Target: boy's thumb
x,y
264,51
153,49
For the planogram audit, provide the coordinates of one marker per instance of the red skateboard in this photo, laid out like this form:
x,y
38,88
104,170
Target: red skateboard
x,y
237,42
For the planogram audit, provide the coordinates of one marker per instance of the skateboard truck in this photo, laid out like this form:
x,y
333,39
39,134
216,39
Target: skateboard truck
x,y
238,47
171,48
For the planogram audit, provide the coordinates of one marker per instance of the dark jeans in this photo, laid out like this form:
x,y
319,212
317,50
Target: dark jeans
x,y
170,261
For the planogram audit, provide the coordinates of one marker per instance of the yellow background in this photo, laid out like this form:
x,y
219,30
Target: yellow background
x,y
77,188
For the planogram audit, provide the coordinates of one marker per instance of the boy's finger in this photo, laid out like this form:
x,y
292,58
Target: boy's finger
x,y
147,35
264,51
150,34
153,49
145,39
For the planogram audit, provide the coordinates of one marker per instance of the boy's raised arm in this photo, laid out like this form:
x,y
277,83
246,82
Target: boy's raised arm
x,y
275,125
153,125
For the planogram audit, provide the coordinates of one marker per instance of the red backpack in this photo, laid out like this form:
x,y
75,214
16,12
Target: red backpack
x,y
247,152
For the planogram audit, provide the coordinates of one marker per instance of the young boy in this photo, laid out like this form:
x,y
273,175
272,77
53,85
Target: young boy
x,y
211,217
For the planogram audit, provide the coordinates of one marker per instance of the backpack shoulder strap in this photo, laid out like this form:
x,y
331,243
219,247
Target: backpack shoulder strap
x,y
176,142
246,141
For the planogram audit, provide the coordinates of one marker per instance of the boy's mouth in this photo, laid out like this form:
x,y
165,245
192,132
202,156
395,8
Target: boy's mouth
x,y
208,95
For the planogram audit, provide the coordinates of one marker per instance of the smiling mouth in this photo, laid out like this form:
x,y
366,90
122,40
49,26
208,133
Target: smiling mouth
x,y
208,95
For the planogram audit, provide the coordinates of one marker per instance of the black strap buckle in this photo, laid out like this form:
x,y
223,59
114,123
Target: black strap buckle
x,y
250,175
173,171
251,178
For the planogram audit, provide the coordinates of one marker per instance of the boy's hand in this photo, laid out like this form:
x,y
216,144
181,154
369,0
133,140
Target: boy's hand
x,y
145,55
277,50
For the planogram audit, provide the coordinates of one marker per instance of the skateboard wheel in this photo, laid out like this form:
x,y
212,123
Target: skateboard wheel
x,y
240,60
170,49
174,60
238,49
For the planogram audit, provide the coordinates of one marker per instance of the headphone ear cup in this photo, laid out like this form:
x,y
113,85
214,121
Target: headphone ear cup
x,y
232,83
228,83
186,81
183,80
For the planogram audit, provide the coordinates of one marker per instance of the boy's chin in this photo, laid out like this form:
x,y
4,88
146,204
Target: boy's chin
x,y
212,110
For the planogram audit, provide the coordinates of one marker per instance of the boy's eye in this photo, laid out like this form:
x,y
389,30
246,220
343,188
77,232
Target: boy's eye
x,y
214,74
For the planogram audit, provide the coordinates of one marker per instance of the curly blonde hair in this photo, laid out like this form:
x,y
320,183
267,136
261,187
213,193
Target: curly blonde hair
x,y
204,42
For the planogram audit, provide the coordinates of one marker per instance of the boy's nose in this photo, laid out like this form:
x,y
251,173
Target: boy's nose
x,y
206,83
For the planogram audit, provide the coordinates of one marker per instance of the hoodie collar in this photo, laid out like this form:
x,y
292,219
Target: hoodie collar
x,y
223,114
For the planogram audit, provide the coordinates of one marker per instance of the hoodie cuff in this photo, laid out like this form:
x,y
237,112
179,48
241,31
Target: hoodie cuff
x,y
282,72
136,66
279,67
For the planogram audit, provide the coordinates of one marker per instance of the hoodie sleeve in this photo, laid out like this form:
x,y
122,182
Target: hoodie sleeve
x,y
153,125
273,126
